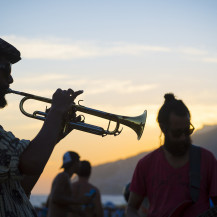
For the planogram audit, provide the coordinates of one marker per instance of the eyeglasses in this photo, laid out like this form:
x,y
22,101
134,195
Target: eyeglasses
x,y
5,67
186,132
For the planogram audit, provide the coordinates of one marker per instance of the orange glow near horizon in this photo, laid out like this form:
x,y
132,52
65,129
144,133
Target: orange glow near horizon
x,y
98,150
124,64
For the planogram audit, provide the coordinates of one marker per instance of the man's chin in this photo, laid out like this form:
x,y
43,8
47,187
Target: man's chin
x,y
3,103
181,152
178,149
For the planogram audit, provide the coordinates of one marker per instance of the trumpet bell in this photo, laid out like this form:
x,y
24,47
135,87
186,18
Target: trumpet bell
x,y
136,123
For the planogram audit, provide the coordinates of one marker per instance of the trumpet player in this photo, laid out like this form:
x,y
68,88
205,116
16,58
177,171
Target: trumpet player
x,y
22,161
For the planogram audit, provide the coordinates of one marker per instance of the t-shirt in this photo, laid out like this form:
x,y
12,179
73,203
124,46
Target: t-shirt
x,y
13,200
167,187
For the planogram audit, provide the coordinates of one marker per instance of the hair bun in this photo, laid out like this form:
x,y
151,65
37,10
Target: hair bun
x,y
169,97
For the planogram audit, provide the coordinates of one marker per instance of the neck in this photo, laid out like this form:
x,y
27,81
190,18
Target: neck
x,y
176,161
69,172
83,179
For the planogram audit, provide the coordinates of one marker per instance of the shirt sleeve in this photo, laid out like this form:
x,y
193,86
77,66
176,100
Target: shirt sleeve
x,y
138,181
10,150
17,144
22,145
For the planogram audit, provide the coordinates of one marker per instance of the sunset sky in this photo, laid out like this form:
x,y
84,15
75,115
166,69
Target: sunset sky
x,y
125,55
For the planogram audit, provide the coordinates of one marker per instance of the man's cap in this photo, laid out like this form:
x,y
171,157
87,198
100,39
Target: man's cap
x,y
9,51
69,158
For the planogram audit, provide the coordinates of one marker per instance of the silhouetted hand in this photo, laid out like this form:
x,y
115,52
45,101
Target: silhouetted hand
x,y
63,101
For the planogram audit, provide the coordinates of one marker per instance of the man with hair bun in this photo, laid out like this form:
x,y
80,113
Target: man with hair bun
x,y
178,178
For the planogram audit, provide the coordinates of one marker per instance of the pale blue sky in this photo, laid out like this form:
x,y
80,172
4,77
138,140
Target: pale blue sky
x,y
164,23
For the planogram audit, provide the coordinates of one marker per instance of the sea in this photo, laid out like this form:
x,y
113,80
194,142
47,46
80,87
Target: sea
x,y
37,199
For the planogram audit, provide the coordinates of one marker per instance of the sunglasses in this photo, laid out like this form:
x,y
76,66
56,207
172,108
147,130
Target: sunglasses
x,y
186,132
6,67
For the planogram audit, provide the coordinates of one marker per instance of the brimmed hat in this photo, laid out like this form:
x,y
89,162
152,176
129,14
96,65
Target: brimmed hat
x,y
69,158
9,51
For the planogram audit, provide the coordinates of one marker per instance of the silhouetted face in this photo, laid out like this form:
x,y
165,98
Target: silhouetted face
x,y
74,168
177,135
77,166
5,79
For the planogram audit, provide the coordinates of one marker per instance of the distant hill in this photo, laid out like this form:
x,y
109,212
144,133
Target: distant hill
x,y
207,138
111,178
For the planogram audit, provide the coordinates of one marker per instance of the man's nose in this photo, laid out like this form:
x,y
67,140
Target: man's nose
x,y
183,137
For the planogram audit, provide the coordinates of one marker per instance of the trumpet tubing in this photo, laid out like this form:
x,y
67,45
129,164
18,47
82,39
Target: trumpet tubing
x,y
135,123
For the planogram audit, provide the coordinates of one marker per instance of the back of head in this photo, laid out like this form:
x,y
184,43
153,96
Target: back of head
x,y
126,192
9,52
85,169
69,159
171,105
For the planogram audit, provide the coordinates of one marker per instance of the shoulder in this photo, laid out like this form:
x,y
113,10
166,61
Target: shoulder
x,y
206,154
208,164
61,177
151,156
94,188
60,182
94,191
6,133
208,160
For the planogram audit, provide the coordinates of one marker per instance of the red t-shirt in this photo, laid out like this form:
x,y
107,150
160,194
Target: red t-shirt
x,y
167,187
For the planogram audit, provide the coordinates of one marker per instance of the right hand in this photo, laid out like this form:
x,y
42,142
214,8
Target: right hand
x,y
63,100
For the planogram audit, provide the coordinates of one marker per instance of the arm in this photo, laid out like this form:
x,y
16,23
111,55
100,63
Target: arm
x,y
35,157
28,183
98,205
59,192
133,205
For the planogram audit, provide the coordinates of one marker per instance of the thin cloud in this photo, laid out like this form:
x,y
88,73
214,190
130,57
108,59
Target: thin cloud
x,y
93,86
45,78
64,49
192,51
59,49
210,60
121,87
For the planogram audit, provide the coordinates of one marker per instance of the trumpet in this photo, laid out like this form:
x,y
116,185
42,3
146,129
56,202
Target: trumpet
x,y
136,123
